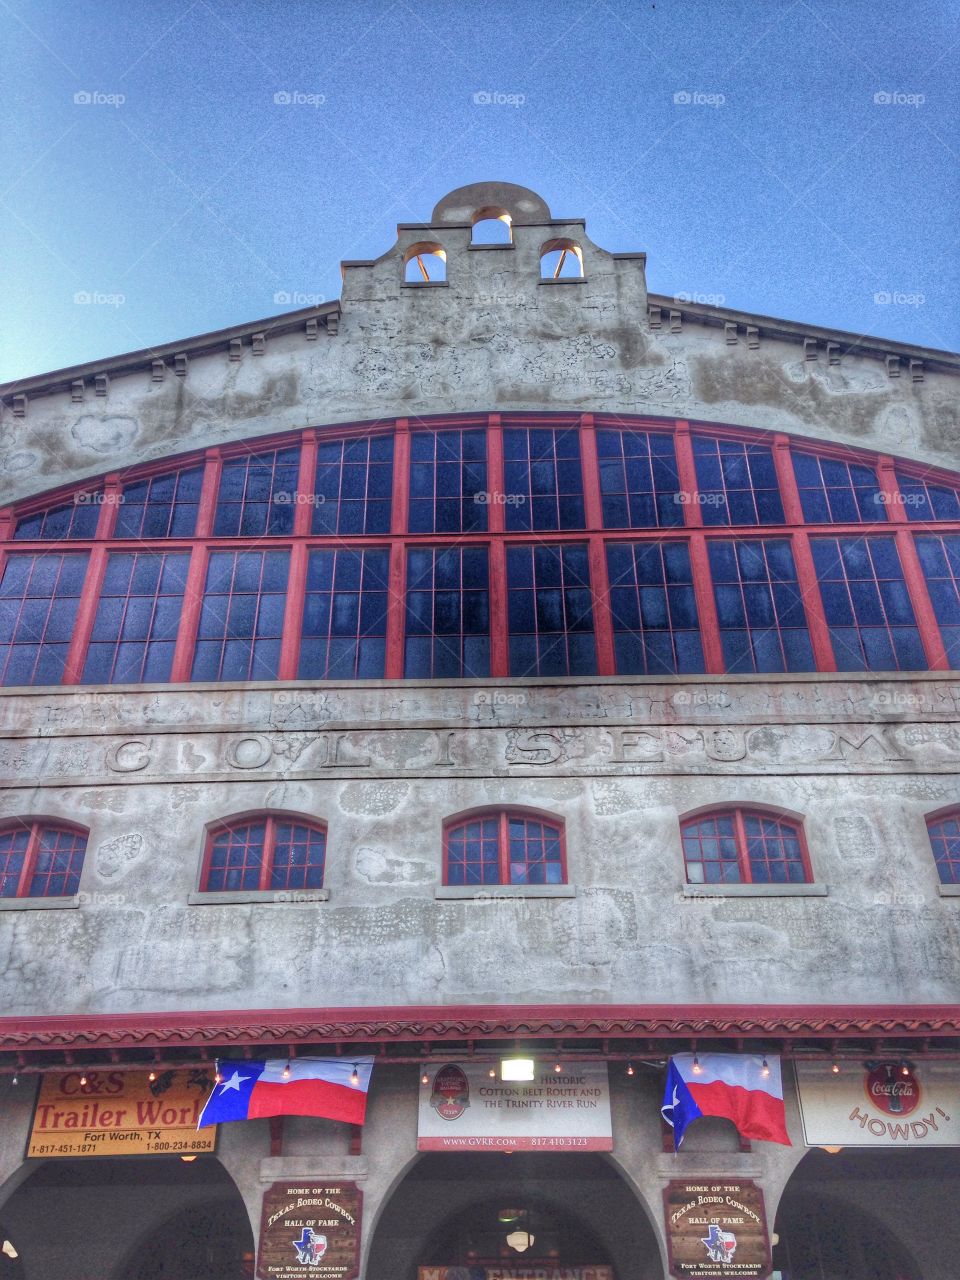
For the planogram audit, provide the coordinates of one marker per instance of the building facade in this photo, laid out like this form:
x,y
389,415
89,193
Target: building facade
x,y
498,660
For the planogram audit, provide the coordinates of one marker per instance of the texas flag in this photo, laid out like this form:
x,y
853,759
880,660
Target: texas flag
x,y
738,1086
335,1088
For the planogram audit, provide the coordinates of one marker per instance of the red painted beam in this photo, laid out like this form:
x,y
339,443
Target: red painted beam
x,y
481,1022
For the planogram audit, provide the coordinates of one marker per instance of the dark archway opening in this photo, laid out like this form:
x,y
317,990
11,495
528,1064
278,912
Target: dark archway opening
x,y
129,1218
474,1211
868,1215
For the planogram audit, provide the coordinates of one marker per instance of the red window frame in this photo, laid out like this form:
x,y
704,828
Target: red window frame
x,y
739,813
270,819
894,522
503,816
38,828
935,820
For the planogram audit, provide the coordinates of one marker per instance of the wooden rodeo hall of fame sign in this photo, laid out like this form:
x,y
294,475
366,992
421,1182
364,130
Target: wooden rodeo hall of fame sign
x,y
310,1229
716,1229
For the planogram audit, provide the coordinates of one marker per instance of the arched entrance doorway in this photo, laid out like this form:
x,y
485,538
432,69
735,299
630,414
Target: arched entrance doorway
x,y
127,1218
869,1215
486,1210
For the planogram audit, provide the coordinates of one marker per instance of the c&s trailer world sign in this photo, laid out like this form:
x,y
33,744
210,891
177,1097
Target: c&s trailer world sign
x,y
463,1109
117,1113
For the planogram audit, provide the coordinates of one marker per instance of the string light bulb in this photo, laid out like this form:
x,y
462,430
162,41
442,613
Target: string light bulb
x,y
354,1076
904,1069
835,1068
286,1071
696,1064
630,1069
492,1073
16,1080
558,1066
151,1076
425,1078
765,1069
83,1081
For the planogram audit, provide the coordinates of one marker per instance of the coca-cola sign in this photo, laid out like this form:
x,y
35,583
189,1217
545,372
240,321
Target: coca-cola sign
x,y
892,1088
880,1102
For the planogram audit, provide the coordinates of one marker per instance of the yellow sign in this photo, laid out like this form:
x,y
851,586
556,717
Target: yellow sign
x,y
115,1113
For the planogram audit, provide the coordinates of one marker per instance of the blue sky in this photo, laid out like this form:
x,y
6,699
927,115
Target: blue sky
x,y
783,187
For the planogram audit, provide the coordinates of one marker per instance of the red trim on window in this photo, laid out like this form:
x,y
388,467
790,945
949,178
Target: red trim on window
x,y
86,614
503,816
739,813
496,539
37,827
270,819
293,611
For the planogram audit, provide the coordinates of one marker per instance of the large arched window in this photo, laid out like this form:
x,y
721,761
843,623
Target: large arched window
x,y
40,858
264,852
504,846
476,545
744,846
944,832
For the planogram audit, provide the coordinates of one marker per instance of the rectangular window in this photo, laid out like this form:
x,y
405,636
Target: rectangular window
x,y
867,605
39,597
773,850
76,518
135,631
760,612
940,559
354,485
550,611
638,480
710,851
448,613
535,852
653,609
258,493
542,479
926,501
837,492
299,853
448,481
242,616
345,615
160,507
737,482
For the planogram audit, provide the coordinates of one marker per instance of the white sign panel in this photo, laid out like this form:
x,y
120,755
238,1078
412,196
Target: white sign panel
x,y
463,1109
882,1103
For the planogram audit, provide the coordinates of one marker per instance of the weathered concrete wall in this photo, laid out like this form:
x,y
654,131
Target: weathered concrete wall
x,y
862,761
495,337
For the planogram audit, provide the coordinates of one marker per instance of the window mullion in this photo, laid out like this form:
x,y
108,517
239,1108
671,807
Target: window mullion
x,y
787,480
687,476
269,843
306,484
293,612
495,482
706,605
504,843
396,610
400,495
189,615
86,615
499,625
590,471
817,624
29,861
746,871
602,619
207,506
